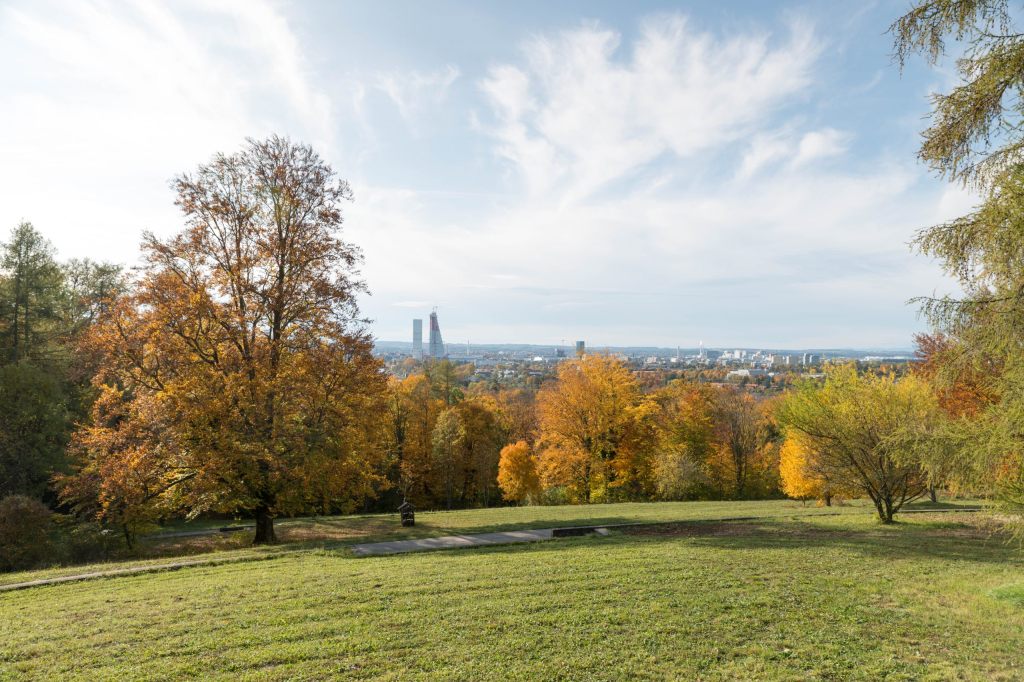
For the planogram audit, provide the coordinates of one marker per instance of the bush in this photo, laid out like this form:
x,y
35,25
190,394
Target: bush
x,y
26,526
83,542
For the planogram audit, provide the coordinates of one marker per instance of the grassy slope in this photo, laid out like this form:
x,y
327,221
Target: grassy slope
x,y
303,533
826,597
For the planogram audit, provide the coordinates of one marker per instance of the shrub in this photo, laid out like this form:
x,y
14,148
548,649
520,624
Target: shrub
x,y
25,533
83,542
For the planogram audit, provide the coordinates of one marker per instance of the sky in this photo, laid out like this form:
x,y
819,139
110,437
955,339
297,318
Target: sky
x,y
740,174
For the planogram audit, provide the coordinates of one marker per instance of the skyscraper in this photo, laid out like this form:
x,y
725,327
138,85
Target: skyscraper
x,y
436,349
417,339
581,348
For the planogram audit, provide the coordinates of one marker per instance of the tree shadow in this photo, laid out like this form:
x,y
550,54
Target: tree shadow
x,y
947,540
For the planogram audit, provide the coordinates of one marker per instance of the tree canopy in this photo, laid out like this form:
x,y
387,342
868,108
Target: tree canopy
x,y
241,341
975,137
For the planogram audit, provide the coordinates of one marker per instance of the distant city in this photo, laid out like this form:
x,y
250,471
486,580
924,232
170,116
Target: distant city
x,y
744,362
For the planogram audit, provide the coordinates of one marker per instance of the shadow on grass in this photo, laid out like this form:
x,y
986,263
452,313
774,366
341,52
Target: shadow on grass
x,y
948,541
339,532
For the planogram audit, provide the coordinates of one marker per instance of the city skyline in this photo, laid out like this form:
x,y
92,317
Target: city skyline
x,y
748,179
569,346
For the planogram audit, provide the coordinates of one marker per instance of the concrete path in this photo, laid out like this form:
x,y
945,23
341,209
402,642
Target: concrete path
x,y
134,570
451,542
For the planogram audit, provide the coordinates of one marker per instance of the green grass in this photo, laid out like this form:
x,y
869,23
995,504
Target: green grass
x,y
299,534
814,597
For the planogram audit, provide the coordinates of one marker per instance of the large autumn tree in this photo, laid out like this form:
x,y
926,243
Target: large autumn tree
x,y
242,346
975,138
594,434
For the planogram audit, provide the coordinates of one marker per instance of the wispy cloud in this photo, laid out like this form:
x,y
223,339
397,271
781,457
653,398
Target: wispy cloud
x,y
410,91
583,111
123,96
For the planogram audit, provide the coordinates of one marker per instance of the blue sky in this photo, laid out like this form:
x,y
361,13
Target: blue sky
x,y
739,173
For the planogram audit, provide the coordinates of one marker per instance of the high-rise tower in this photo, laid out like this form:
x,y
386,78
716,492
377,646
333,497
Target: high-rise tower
x,y
436,348
417,339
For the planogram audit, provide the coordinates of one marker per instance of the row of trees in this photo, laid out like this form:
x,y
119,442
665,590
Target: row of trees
x,y
591,435
46,307
234,376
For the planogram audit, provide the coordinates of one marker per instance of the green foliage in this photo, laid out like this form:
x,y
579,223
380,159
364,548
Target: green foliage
x,y
447,439
34,426
25,528
867,433
31,296
44,308
976,138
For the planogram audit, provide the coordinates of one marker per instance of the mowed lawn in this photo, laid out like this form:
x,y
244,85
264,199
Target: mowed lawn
x,y
827,597
300,534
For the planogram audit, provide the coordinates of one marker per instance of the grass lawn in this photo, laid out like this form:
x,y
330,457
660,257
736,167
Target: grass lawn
x,y
300,534
808,597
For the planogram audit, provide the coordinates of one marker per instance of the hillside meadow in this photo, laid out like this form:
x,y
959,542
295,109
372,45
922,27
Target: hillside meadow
x,y
784,596
174,540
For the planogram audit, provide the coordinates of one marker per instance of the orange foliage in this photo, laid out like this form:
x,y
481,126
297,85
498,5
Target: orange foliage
x,y
594,430
517,472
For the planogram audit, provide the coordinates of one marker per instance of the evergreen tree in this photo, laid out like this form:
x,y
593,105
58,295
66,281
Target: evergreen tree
x,y
975,138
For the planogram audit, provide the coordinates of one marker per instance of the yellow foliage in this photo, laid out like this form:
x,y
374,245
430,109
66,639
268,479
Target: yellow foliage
x,y
593,429
798,479
517,472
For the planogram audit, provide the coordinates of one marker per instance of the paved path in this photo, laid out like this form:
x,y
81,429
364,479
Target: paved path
x,y
133,570
451,542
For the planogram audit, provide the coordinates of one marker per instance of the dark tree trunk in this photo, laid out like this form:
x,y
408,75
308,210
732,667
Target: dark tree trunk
x,y
884,509
828,499
932,495
264,527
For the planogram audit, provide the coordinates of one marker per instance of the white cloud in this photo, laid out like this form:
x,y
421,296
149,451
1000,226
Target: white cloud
x,y
579,113
104,103
772,239
411,91
665,190
820,144
764,149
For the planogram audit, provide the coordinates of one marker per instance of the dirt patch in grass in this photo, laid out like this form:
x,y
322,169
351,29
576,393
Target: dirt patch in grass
x,y
959,526
697,529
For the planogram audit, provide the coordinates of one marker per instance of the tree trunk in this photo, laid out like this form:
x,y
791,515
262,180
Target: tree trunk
x,y
264,527
932,495
879,509
887,510
828,499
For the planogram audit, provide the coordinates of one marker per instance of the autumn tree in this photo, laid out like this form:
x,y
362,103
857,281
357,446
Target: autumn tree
x,y
411,413
975,138
124,470
517,473
743,441
684,438
480,450
867,433
447,440
517,410
964,391
803,472
593,435
242,337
